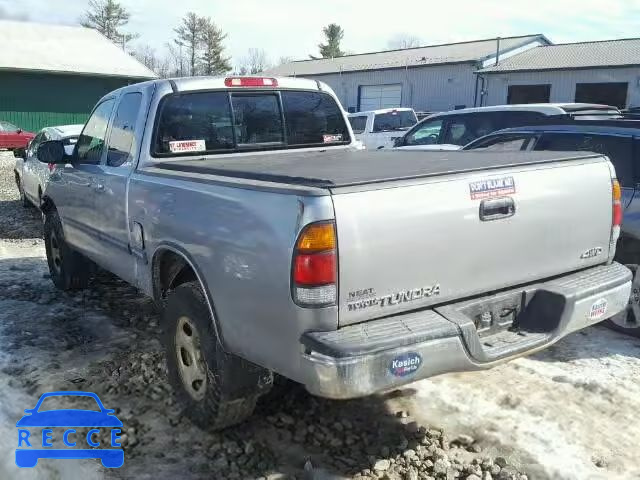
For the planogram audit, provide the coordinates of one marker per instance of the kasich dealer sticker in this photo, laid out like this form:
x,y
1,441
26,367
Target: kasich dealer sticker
x,y
492,187
598,309
405,364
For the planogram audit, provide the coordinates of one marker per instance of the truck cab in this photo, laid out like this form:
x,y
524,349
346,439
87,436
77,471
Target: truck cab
x,y
380,128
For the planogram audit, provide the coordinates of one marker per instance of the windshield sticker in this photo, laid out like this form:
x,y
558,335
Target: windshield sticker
x,y
332,138
492,187
187,146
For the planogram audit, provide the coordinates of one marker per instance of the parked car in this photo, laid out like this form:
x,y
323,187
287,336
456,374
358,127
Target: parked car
x,y
32,175
620,141
380,128
459,127
13,137
270,245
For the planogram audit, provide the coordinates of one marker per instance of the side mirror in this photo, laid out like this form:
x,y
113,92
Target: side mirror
x,y
19,131
52,151
398,142
20,153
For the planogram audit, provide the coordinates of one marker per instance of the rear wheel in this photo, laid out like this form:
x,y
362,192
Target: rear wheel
x,y
217,389
69,269
628,321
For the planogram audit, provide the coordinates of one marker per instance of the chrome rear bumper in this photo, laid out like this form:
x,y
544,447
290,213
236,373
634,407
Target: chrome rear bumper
x,y
362,359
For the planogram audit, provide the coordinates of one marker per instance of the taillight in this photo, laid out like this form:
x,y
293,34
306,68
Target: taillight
x,y
314,266
250,82
617,203
616,217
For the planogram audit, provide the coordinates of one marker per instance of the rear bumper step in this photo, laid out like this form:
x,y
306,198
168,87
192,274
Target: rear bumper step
x,y
366,358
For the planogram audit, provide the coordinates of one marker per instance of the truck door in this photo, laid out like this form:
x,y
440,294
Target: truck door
x,y
110,190
73,184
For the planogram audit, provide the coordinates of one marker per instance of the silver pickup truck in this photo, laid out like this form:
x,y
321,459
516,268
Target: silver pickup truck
x,y
272,247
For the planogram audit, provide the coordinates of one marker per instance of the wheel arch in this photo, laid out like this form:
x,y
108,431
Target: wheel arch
x,y
172,266
47,204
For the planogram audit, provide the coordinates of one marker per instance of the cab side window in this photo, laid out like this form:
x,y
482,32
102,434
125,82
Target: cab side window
x,y
463,129
92,139
122,134
358,124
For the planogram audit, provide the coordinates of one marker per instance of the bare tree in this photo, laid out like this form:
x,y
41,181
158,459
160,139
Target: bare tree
x,y
108,17
256,61
213,61
147,55
175,59
190,34
402,41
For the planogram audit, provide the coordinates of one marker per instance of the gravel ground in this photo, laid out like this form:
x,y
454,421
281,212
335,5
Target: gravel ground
x,y
570,412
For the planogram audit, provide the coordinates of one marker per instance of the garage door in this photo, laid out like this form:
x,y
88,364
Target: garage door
x,y
373,97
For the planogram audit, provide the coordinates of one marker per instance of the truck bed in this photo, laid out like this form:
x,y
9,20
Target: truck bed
x,y
342,168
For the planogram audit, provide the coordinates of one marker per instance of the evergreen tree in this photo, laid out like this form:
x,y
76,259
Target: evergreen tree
x,y
108,17
213,61
334,33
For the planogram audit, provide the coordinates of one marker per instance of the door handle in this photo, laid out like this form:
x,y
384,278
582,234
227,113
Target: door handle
x,y
497,208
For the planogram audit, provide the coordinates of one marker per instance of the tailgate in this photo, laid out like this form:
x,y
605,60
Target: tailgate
x,y
405,247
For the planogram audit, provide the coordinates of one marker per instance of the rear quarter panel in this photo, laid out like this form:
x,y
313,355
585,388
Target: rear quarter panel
x,y
241,242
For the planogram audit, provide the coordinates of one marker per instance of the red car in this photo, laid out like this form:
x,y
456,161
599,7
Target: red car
x,y
13,137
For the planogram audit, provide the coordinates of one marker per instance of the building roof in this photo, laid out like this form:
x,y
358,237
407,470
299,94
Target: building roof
x,y
472,51
607,53
65,49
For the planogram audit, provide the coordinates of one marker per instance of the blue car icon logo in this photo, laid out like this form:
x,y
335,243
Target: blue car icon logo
x,y
29,451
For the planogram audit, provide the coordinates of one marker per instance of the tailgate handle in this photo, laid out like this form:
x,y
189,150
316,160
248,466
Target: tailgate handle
x,y
497,208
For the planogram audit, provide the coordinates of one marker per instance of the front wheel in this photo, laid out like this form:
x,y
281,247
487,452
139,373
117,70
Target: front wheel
x,y
628,321
216,388
69,269
23,197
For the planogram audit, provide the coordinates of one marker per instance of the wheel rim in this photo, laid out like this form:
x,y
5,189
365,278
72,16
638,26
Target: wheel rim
x,y
191,364
630,317
56,257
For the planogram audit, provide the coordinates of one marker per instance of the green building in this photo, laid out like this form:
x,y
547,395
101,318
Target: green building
x,y
54,74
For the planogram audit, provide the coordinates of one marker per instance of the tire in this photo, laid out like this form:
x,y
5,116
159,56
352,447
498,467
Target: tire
x,y
628,321
216,388
69,269
24,201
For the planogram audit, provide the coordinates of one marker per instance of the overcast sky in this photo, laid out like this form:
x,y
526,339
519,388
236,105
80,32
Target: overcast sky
x,y
293,27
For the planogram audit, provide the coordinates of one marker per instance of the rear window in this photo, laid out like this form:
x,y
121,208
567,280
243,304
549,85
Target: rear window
x,y
224,122
398,120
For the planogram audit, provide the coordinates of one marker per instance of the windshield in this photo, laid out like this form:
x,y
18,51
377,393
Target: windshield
x,y
8,127
219,122
394,120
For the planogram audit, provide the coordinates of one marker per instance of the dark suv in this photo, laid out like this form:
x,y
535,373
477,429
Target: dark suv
x,y
454,129
620,141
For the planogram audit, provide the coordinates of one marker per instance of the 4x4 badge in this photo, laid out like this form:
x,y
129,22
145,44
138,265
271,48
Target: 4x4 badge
x,y
592,252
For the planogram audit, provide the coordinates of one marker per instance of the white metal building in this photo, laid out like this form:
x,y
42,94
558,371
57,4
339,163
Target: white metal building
x,y
431,78
605,72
